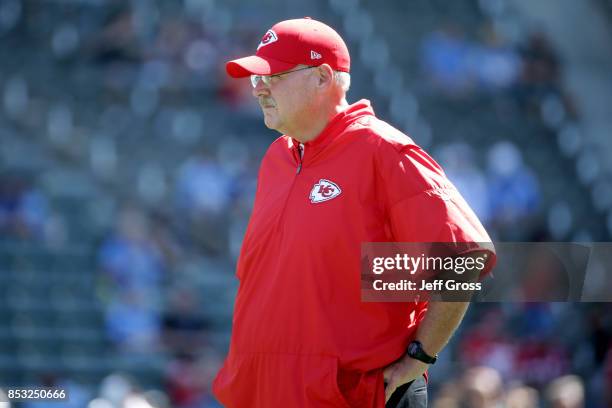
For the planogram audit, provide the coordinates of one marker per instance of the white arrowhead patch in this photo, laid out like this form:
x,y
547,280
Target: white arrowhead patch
x,y
324,190
268,38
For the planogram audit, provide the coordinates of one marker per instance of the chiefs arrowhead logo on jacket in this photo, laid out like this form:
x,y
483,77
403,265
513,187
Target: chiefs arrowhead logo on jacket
x,y
324,190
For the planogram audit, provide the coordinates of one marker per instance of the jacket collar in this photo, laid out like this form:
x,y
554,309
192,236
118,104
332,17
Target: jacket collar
x,y
336,126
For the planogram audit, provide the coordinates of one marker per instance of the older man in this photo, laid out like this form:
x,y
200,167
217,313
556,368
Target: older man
x,y
336,178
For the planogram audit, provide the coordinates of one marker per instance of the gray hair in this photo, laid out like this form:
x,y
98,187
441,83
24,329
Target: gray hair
x,y
343,79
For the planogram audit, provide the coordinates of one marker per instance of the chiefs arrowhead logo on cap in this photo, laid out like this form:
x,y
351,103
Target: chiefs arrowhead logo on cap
x,y
268,38
324,190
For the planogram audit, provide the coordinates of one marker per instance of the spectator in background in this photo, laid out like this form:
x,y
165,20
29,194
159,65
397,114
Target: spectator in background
x,y
521,350
23,209
495,65
600,333
445,54
482,388
132,324
133,267
118,41
489,344
459,67
203,195
184,328
188,380
459,164
114,389
514,192
566,392
236,96
164,240
538,361
117,390
522,397
448,396
239,161
129,257
541,70
203,187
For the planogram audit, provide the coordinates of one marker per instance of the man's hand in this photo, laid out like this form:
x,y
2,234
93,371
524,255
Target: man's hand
x,y
440,322
401,372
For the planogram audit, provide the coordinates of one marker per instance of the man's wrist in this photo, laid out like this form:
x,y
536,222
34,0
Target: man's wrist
x,y
415,350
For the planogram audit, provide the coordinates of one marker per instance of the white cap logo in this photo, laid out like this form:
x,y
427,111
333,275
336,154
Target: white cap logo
x,y
315,55
268,38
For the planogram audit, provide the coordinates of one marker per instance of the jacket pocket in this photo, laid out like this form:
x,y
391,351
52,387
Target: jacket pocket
x,y
362,389
264,380
322,388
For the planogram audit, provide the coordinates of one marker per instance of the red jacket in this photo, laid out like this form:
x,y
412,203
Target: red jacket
x,y
301,336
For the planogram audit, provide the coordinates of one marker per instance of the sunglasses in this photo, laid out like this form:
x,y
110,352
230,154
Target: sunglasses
x,y
267,79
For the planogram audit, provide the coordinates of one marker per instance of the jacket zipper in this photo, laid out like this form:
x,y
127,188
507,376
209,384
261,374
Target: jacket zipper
x,y
300,154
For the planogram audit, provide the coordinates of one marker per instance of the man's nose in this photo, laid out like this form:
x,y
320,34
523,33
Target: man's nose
x,y
261,90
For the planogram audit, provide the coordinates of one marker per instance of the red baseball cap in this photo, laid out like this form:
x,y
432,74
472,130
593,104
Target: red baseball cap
x,y
290,43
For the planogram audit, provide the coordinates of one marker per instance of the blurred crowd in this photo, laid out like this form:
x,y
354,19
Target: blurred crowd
x,y
133,100
482,387
507,193
535,347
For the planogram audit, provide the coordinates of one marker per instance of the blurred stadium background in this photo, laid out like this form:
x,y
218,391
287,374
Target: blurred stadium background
x,y
128,164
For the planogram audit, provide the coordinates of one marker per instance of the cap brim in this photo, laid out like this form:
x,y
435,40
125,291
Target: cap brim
x,y
255,65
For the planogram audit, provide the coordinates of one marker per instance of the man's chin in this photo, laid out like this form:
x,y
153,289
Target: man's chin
x,y
270,122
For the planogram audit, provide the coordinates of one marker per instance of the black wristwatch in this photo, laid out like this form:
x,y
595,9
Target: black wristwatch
x,y
415,350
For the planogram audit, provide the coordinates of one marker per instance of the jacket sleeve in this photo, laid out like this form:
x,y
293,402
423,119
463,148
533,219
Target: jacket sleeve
x,y
422,205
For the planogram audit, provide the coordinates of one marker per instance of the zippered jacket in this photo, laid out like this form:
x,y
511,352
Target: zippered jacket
x,y
301,335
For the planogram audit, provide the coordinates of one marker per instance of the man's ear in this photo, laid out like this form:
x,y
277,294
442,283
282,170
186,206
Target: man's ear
x,y
326,75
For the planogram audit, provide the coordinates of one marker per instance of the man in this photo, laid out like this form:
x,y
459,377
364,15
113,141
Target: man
x,y
336,178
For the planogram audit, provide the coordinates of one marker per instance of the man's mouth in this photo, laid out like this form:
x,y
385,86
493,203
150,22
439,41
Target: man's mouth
x,y
266,104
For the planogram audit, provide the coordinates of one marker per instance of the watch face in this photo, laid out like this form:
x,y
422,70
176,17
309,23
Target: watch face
x,y
413,348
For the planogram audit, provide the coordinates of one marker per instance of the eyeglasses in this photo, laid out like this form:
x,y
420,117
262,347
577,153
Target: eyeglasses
x,y
267,79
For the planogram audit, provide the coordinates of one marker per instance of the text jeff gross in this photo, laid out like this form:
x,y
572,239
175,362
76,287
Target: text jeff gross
x,y
438,284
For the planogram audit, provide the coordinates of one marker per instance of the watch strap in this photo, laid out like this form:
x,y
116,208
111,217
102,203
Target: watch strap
x,y
415,350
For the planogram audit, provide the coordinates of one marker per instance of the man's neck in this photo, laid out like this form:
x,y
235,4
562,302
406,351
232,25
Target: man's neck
x,y
316,126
